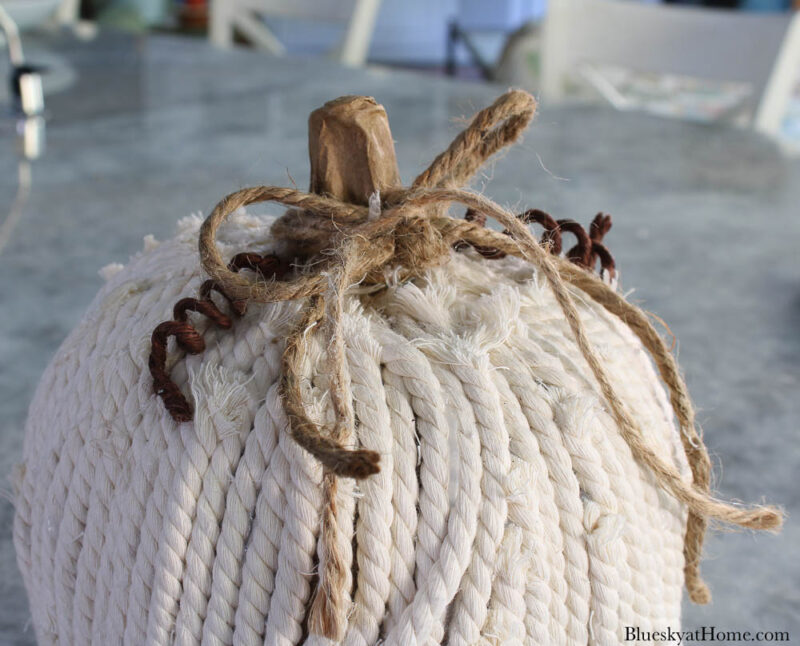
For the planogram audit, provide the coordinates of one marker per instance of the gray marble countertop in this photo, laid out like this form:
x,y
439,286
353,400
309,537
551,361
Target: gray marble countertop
x,y
706,229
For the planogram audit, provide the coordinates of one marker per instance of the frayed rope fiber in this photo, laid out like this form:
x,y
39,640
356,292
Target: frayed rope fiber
x,y
477,445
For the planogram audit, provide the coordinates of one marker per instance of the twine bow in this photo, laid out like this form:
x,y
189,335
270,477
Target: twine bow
x,y
410,233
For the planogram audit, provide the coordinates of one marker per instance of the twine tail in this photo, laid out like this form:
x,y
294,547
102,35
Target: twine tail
x,y
324,446
327,615
702,506
694,448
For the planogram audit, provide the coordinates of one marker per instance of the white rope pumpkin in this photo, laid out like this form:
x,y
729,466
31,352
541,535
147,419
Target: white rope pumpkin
x,y
508,508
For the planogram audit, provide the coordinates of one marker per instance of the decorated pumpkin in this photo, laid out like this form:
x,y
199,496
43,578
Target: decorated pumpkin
x,y
367,420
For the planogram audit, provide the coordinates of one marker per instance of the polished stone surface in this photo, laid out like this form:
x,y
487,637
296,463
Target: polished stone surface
x,y
706,230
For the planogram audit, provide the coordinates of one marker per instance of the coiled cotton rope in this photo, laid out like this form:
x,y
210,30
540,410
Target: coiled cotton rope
x,y
533,487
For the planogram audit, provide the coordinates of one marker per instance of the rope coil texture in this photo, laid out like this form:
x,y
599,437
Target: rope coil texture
x,y
498,408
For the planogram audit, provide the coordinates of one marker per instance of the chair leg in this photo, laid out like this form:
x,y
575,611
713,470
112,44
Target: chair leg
x,y
220,30
68,12
257,33
355,46
452,41
778,90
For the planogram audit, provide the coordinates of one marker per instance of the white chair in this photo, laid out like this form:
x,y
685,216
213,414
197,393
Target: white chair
x,y
762,50
242,16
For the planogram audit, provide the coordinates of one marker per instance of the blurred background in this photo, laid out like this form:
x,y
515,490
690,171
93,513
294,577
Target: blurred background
x,y
681,119
705,60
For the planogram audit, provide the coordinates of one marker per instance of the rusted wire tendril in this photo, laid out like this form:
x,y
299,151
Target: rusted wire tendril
x,y
585,253
189,339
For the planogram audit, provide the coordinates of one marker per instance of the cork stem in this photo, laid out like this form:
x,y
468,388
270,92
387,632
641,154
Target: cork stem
x,y
351,150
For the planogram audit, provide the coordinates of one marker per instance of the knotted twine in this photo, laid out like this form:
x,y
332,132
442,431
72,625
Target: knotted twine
x,y
405,232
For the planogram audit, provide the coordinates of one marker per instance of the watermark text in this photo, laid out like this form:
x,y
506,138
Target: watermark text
x,y
705,634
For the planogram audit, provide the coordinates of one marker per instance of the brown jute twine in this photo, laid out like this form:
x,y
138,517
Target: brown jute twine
x,y
412,234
